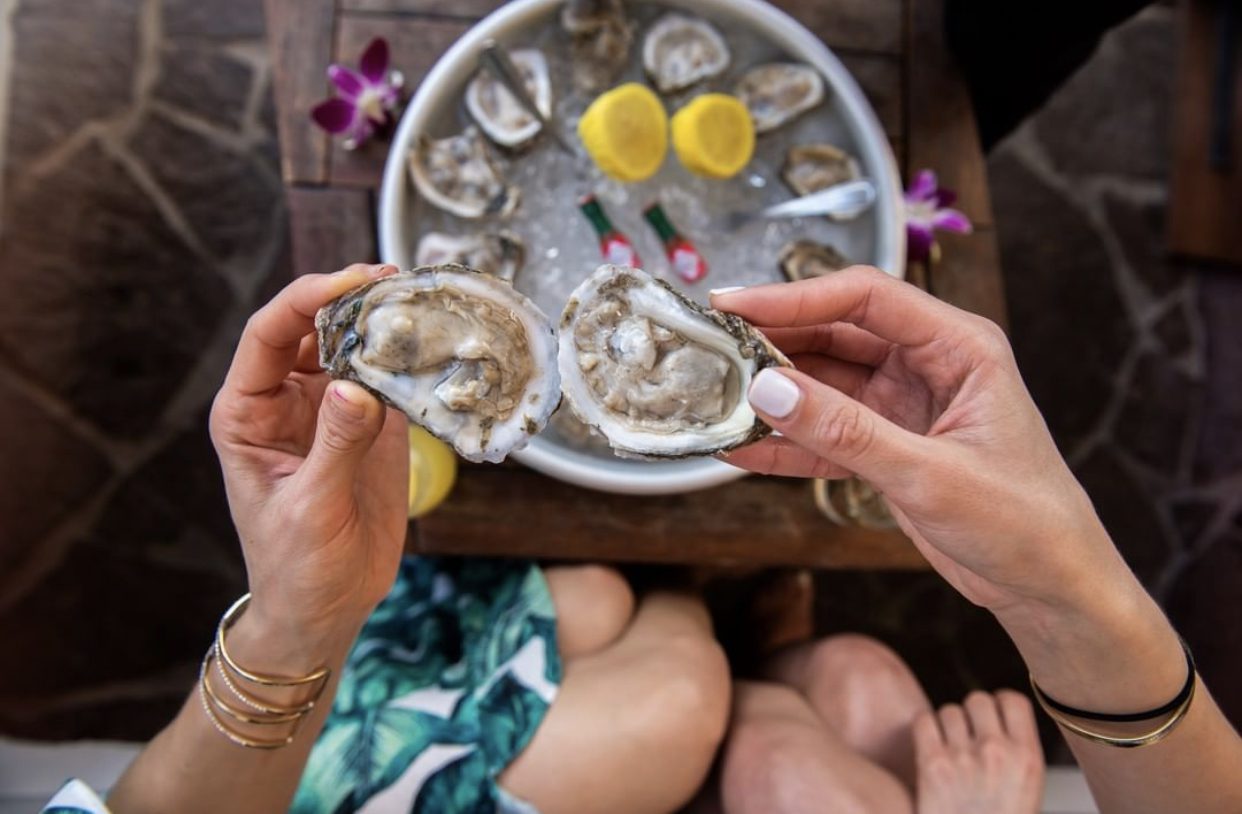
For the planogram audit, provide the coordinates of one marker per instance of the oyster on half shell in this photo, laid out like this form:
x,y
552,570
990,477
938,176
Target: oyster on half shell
x,y
804,259
811,167
457,175
463,354
657,374
500,254
601,38
679,51
778,92
502,116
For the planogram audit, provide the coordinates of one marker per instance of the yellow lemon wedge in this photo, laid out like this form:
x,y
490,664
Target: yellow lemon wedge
x,y
714,135
625,131
433,470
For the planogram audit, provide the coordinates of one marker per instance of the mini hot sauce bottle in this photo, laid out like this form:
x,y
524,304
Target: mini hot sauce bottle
x,y
682,255
614,246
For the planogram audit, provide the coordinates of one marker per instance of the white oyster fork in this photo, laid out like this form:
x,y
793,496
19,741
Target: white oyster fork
x,y
840,202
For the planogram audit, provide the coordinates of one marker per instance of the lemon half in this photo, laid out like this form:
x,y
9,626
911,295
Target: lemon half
x,y
626,132
714,135
433,470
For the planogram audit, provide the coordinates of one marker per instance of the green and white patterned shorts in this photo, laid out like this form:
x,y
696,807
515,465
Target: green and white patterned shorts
x,y
446,685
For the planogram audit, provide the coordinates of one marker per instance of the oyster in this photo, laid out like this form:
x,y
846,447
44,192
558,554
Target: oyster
x,y
812,167
804,259
457,175
601,41
463,354
655,373
679,51
502,116
779,91
499,254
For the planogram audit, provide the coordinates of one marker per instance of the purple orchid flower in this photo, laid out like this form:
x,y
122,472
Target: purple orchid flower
x,y
928,209
366,97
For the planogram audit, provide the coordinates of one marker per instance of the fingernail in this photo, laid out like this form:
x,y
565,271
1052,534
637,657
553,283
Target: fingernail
x,y
774,394
350,399
382,271
716,292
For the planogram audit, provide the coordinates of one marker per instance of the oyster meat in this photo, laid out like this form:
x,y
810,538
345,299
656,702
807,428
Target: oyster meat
x,y
463,354
457,175
811,167
804,259
655,373
601,38
680,50
778,92
502,116
500,254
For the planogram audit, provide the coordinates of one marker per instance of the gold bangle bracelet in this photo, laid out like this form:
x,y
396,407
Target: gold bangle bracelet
x,y
237,737
246,716
230,616
1131,742
251,701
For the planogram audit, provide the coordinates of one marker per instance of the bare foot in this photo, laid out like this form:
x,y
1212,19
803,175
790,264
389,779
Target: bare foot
x,y
983,759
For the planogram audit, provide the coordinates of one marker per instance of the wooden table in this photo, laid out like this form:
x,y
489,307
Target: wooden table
x,y
895,49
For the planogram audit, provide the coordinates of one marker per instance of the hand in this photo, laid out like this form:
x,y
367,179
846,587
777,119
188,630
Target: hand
x,y
316,472
925,402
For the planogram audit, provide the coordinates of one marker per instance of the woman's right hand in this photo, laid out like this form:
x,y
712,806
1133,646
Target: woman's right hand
x,y
925,402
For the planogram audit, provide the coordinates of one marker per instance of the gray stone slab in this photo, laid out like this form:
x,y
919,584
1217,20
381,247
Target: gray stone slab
x,y
106,306
48,474
65,75
1155,414
1068,325
204,81
1113,116
234,206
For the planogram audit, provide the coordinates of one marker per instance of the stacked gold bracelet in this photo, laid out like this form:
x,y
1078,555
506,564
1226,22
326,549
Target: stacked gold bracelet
x,y
254,710
1162,719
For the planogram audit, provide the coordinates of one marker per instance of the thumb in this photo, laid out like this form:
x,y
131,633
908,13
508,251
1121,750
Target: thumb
x,y
350,419
834,426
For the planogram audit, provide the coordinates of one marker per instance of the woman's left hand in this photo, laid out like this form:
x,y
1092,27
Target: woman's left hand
x,y
316,471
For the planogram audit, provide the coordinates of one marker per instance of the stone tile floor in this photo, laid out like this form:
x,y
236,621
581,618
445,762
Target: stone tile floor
x,y
142,221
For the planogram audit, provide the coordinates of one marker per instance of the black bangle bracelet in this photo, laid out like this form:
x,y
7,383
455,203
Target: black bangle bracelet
x,y
1128,717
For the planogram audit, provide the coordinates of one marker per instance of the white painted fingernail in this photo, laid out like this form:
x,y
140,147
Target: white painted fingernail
x,y
774,394
716,292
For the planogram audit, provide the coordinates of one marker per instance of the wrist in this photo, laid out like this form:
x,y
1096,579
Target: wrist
x,y
279,644
1108,649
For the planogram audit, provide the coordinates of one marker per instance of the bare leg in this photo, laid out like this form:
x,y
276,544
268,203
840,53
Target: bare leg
x,y
864,692
980,758
781,758
636,724
593,603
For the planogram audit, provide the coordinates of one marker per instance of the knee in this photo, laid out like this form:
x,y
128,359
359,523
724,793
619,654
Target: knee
x,y
854,662
686,707
593,603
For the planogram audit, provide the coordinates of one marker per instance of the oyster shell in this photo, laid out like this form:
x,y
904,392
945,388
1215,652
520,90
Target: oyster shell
x,y
463,354
457,175
804,259
655,373
680,50
502,116
778,92
811,167
602,36
500,254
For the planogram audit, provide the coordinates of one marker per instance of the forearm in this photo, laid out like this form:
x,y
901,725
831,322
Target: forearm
x,y
1114,651
191,767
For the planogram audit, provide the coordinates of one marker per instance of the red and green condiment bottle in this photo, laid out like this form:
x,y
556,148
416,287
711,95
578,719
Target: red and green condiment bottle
x,y
682,255
614,246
